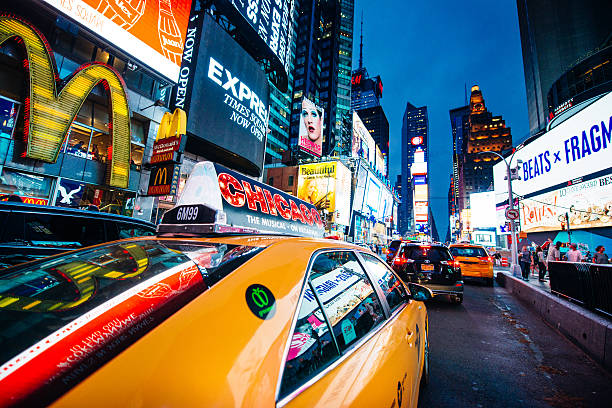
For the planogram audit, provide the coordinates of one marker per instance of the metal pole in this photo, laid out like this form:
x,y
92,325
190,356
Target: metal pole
x,y
569,233
514,267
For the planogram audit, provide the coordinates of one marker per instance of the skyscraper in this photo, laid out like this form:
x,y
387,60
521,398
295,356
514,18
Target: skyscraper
x,y
460,127
554,35
322,73
415,132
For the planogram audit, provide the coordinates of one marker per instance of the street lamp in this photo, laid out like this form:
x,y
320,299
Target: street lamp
x,y
515,269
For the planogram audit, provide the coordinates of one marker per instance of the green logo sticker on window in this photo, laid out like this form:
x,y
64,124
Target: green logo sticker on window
x,y
261,301
348,331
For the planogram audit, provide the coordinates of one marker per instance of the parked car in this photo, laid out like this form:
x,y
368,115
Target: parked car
x,y
32,232
432,266
474,261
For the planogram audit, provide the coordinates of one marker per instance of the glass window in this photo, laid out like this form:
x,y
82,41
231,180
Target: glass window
x,y
100,145
421,253
312,348
85,114
24,184
100,118
290,181
349,301
131,230
83,49
51,294
78,141
138,132
271,181
467,251
390,285
8,117
62,231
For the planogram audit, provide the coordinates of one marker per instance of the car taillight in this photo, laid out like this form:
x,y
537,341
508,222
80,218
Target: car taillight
x,y
401,261
456,263
485,259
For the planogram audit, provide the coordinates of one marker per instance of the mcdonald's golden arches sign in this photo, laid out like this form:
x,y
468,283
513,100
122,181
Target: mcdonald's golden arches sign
x,y
49,111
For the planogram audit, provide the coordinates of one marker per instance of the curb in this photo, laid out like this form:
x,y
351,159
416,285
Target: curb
x,y
589,331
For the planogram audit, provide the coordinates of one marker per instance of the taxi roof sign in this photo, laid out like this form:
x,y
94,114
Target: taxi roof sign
x,y
216,199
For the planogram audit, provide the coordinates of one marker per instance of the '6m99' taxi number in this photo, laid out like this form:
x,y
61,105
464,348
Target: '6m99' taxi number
x,y
187,214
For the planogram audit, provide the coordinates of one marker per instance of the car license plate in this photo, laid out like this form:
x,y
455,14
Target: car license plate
x,y
427,267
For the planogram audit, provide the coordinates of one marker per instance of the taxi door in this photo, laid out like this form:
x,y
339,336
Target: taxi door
x,y
371,359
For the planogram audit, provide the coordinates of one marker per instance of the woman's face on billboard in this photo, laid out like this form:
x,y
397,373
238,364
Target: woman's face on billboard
x,y
312,120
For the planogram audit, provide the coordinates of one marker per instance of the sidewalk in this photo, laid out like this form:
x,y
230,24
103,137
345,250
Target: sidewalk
x,y
590,331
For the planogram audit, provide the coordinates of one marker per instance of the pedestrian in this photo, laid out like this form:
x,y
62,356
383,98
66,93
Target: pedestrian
x,y
541,263
600,257
573,255
554,252
525,260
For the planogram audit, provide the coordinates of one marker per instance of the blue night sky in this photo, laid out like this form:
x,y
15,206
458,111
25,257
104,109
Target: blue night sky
x,y
425,52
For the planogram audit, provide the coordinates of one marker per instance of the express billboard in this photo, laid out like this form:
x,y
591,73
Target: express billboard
x,y
580,146
228,105
268,26
588,204
327,186
311,128
152,32
482,206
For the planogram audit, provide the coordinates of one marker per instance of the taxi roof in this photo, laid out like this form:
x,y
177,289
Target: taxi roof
x,y
466,245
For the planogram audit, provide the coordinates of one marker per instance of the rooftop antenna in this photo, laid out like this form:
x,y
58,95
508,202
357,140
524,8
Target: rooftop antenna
x,y
465,92
361,43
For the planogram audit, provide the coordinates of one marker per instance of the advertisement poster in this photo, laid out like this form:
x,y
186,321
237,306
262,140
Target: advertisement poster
x,y
482,206
69,193
578,147
152,32
323,185
311,128
589,205
362,145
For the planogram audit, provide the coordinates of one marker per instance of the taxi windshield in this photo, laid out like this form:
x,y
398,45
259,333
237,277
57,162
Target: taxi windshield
x,y
468,251
65,316
430,253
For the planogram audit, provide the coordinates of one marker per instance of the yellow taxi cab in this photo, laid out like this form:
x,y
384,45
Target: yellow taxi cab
x,y
208,314
474,261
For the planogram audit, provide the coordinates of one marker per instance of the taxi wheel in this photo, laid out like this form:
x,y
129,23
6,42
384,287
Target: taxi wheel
x,y
425,373
489,281
458,299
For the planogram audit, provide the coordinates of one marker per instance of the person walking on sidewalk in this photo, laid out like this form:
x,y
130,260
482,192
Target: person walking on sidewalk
x,y
554,252
573,255
600,257
526,260
541,263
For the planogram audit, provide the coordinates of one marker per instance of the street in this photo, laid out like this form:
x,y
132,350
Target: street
x,y
491,351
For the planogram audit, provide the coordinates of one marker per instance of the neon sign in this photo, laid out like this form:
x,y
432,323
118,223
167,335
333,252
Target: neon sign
x,y
49,111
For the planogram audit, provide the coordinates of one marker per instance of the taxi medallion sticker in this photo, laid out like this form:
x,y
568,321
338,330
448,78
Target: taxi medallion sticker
x,y
261,301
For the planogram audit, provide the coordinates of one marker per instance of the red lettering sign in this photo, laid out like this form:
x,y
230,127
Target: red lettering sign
x,y
236,198
296,215
270,202
306,215
283,207
316,216
255,197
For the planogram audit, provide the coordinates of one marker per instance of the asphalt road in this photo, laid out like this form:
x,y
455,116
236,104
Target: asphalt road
x,y
491,351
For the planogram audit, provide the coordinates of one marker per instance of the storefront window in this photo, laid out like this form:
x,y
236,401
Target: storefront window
x,y
78,141
8,116
100,118
24,185
85,113
109,200
138,132
100,144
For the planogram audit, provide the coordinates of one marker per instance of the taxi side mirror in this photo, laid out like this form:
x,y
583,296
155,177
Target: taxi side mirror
x,y
419,292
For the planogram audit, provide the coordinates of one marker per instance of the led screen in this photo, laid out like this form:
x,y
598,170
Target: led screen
x,y
311,128
152,32
580,146
482,206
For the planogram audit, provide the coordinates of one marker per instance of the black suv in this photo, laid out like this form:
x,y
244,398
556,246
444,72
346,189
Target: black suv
x,y
29,232
432,266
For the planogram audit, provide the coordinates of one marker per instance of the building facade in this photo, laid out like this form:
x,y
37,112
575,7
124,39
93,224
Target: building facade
x,y
415,138
554,36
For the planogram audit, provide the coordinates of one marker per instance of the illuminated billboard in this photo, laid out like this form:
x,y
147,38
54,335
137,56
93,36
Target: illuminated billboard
x,y
227,110
311,128
152,32
372,196
269,28
327,186
363,144
580,146
482,206
589,204
420,192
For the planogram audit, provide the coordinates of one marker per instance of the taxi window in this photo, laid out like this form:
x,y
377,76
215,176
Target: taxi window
x,y
391,286
421,253
312,347
71,313
468,251
348,298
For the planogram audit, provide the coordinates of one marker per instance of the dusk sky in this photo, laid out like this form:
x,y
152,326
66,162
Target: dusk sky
x,y
425,52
